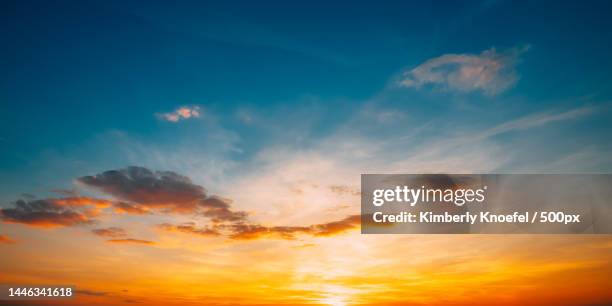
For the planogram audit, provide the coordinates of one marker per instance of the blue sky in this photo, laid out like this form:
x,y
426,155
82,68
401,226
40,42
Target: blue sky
x,y
85,85
213,151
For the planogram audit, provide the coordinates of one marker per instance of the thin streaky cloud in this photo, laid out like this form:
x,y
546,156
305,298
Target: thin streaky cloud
x,y
450,152
539,119
131,241
189,228
91,292
253,231
519,124
111,232
242,231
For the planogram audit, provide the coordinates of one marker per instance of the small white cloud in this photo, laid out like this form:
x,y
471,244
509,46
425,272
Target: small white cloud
x,y
490,72
181,113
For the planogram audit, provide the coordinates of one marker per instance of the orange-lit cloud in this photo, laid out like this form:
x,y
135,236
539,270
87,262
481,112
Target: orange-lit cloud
x,y
6,240
336,227
219,210
181,113
189,228
113,232
250,231
83,201
164,191
131,241
127,208
254,231
51,212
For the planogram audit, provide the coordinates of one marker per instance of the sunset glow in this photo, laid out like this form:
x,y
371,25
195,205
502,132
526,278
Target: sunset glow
x,y
205,153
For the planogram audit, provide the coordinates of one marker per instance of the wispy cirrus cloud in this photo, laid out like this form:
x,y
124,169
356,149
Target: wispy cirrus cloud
x,y
539,119
490,72
523,123
181,113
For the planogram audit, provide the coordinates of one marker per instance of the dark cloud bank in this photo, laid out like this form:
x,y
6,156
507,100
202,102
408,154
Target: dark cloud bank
x,y
139,191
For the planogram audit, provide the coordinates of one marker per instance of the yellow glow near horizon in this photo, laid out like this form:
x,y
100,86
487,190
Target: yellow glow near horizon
x,y
334,301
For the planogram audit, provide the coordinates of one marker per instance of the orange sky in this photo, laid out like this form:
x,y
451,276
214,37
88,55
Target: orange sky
x,y
291,243
183,153
345,269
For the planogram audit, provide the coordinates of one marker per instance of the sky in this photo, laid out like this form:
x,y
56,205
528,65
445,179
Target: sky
x,y
205,153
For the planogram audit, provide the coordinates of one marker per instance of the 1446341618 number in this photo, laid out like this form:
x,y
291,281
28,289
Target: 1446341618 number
x,y
35,292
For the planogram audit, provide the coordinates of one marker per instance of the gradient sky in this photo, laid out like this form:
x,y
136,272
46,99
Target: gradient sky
x,y
253,121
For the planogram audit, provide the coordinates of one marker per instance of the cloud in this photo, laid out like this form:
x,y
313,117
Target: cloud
x,y
127,208
336,227
82,201
165,191
343,189
53,212
131,241
519,124
28,196
91,292
538,119
160,189
253,231
218,210
181,113
66,192
189,228
256,231
113,232
6,240
490,72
